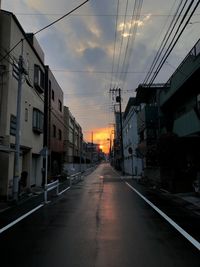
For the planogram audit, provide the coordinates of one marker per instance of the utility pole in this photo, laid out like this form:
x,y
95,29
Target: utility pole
x,y
92,150
81,151
18,128
119,100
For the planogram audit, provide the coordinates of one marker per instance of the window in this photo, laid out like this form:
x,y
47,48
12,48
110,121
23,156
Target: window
x,y
60,105
59,134
38,121
26,114
38,79
52,95
13,122
54,130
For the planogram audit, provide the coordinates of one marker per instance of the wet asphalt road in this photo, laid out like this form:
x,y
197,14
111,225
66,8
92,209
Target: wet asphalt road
x,y
100,222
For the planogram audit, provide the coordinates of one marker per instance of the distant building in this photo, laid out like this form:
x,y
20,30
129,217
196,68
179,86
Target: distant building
x,y
32,104
148,129
54,123
73,143
133,162
94,153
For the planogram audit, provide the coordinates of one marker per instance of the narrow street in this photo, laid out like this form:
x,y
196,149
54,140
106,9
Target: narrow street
x,y
99,222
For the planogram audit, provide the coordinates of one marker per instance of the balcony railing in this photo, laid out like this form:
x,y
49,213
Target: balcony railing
x,y
185,70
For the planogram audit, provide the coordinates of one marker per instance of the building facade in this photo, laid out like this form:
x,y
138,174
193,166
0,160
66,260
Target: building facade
x,y
54,123
73,143
148,127
180,131
32,104
133,162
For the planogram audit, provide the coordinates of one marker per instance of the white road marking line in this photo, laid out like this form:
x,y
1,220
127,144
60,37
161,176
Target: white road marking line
x,y
19,219
64,190
168,219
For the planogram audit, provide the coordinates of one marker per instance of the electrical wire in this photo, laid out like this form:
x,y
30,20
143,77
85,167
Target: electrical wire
x,y
165,39
113,60
174,41
47,26
95,15
54,22
122,39
130,42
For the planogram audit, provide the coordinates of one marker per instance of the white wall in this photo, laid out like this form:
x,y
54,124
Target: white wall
x,y
31,142
132,164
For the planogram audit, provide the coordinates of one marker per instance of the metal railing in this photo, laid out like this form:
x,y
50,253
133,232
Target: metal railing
x,y
75,177
49,187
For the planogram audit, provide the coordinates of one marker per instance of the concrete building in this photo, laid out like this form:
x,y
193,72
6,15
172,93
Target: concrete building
x,y
32,104
169,127
53,123
133,163
180,130
73,143
148,129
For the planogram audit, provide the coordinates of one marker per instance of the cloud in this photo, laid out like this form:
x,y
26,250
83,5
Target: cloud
x,y
83,44
125,28
94,55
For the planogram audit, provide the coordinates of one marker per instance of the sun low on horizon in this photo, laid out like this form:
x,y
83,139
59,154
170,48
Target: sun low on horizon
x,y
100,136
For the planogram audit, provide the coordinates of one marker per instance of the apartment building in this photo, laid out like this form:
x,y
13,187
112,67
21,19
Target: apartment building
x,y
53,123
180,139
32,104
73,143
133,162
148,127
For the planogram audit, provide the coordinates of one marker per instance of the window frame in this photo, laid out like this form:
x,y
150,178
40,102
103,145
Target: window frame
x,y
38,121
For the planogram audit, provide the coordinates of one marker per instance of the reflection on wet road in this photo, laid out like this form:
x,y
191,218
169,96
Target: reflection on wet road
x,y
99,222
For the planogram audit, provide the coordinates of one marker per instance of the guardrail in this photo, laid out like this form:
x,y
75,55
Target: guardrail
x,y
49,187
75,177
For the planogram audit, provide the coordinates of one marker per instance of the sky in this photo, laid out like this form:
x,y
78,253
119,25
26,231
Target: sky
x,y
93,50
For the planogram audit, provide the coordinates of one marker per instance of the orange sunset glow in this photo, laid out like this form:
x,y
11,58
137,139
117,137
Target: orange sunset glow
x,y
101,136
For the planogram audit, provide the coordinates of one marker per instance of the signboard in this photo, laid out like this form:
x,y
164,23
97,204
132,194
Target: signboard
x,y
44,151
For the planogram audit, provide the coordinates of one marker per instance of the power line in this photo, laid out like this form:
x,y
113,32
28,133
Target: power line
x,y
132,36
174,41
103,72
11,50
113,60
166,38
95,15
47,26
122,37
52,23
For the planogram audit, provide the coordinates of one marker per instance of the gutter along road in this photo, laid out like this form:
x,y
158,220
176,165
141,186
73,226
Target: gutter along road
x,y
99,222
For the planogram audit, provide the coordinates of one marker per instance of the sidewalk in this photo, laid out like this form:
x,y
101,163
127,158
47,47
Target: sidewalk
x,y
182,208
35,191
11,211
188,200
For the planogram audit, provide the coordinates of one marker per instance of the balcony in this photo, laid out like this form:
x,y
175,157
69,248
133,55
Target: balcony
x,y
187,124
187,70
